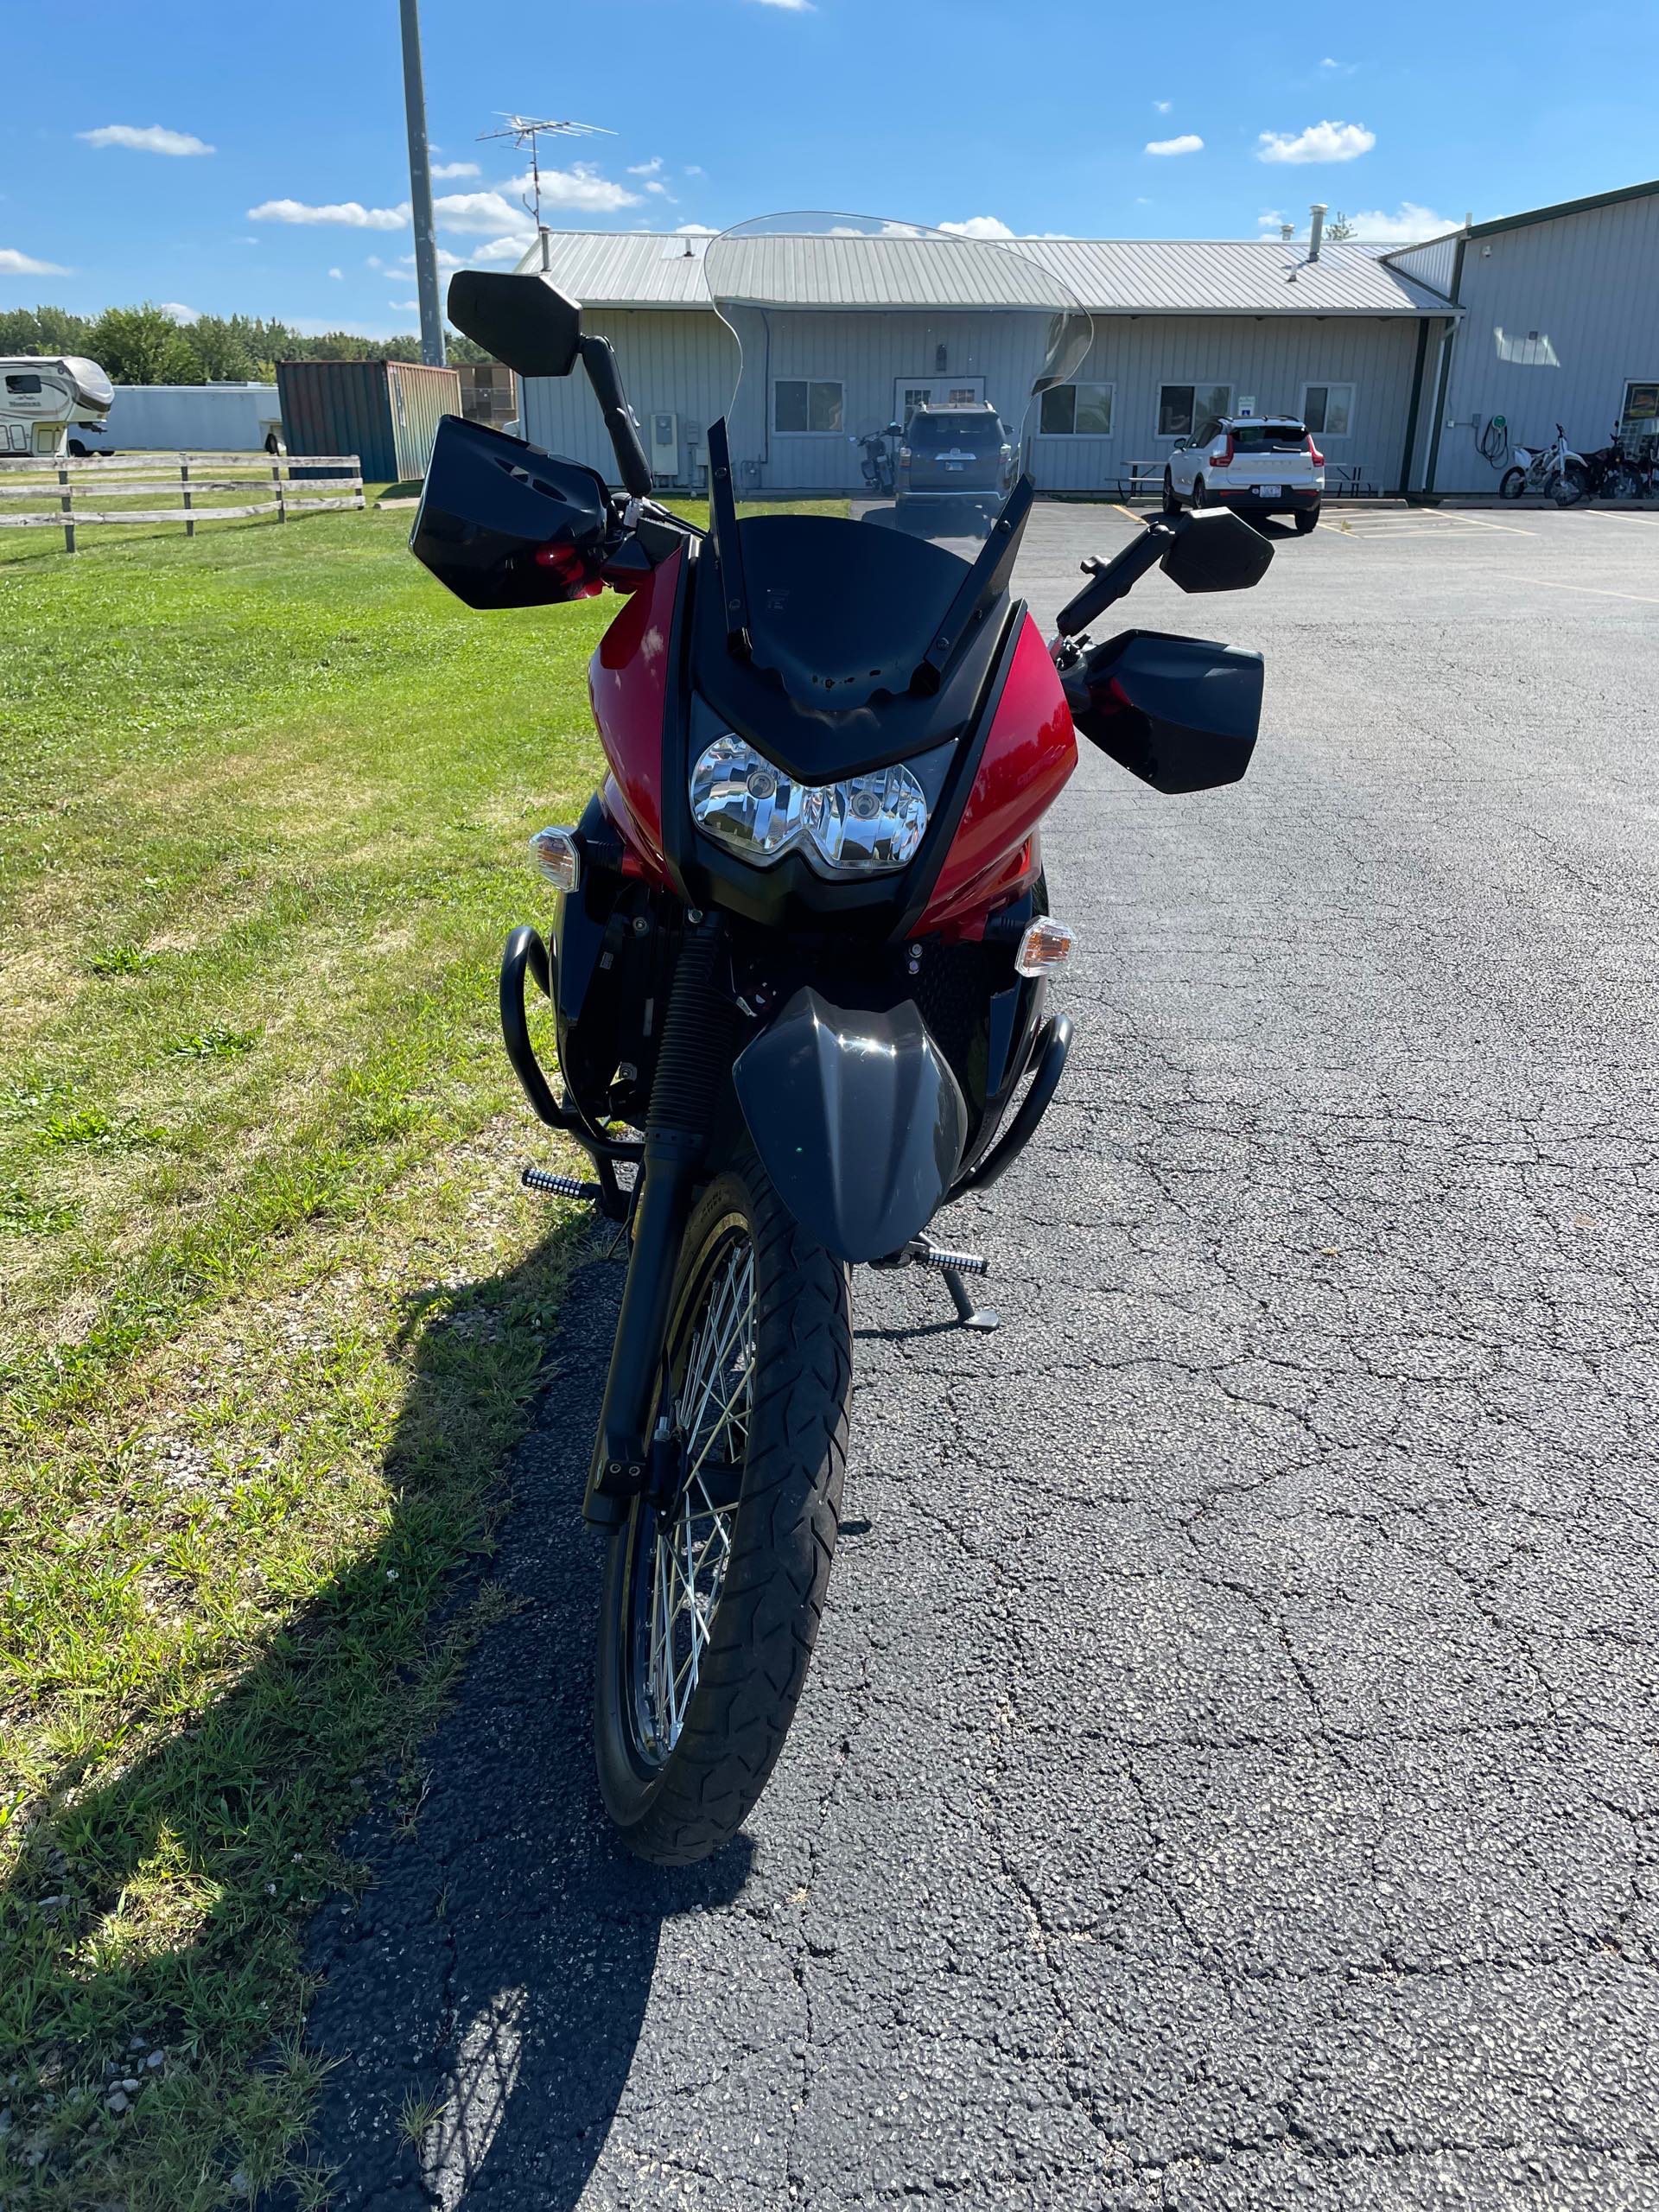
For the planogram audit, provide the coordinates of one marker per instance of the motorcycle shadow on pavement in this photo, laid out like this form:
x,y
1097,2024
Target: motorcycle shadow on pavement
x,y
495,1975
479,2000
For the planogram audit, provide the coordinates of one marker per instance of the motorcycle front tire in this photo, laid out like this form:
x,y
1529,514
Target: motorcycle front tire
x,y
1512,484
679,1779
1569,488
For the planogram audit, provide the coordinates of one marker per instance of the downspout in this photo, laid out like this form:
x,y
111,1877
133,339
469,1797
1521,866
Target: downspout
x,y
1416,402
1445,377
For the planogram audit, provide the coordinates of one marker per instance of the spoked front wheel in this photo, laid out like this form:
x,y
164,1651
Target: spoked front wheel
x,y
714,1589
1512,484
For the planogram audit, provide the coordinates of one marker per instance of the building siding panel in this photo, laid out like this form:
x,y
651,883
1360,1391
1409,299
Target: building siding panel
x,y
1588,284
687,363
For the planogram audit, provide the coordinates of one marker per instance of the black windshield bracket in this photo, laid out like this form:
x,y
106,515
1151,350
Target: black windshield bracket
x,y
729,546
984,583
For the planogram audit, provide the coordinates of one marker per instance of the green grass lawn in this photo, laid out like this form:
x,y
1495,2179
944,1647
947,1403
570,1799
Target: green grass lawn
x,y
271,1310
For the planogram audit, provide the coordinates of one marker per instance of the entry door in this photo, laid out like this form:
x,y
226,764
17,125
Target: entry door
x,y
911,392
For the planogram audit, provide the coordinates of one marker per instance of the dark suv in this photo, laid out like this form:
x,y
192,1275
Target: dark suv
x,y
963,451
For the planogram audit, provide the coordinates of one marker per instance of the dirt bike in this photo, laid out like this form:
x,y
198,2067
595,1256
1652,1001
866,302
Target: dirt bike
x,y
800,965
1552,468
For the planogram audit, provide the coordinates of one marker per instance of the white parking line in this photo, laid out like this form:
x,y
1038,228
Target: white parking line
x,y
1479,522
1550,583
1602,514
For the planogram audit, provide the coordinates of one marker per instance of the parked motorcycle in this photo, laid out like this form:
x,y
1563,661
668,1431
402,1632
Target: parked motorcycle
x,y
1610,473
800,966
1553,469
875,460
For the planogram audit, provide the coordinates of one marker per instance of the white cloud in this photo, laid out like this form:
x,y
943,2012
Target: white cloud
x,y
1339,68
179,313
446,259
1320,142
1409,221
338,275
14,263
653,167
513,247
791,7
154,140
476,211
405,307
693,230
1163,107
662,191
979,226
580,187
693,170
351,213
454,168
1188,142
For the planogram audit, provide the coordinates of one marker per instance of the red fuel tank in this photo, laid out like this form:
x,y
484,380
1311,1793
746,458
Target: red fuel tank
x,y
627,685
1028,759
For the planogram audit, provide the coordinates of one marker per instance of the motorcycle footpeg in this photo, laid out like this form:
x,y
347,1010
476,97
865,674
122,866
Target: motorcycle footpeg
x,y
559,1186
920,1252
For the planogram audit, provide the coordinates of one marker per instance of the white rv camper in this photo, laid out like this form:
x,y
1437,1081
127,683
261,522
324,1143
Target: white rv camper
x,y
42,401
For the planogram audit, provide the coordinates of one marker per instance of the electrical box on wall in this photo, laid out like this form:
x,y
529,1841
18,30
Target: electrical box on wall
x,y
663,444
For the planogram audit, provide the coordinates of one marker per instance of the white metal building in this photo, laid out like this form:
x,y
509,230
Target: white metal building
x,y
1397,361
1555,318
1181,330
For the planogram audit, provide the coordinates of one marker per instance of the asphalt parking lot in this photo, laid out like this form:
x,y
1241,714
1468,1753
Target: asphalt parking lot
x,y
1228,1777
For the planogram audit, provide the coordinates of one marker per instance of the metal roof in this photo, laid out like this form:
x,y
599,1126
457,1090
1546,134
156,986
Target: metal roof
x,y
1564,207
635,269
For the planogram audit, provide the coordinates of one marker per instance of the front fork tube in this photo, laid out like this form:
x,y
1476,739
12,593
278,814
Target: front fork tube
x,y
691,1067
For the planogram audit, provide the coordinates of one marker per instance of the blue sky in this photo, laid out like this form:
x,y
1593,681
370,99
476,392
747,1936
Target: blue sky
x,y
1040,119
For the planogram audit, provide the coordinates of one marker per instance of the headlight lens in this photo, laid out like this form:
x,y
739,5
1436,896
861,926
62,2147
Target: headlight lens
x,y
862,825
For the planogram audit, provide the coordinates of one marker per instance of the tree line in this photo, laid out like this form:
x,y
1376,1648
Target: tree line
x,y
144,345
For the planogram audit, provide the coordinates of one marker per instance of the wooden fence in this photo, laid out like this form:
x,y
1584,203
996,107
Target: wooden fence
x,y
199,482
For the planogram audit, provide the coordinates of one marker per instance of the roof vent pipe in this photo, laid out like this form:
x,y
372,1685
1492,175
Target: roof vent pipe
x,y
1316,229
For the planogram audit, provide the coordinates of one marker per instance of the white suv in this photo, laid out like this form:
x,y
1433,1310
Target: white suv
x,y
1257,464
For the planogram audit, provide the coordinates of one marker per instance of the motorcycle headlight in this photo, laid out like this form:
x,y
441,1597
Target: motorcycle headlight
x,y
859,826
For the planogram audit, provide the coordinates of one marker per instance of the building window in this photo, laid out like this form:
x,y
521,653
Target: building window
x,y
1077,410
26,386
1641,403
1328,409
1180,406
803,408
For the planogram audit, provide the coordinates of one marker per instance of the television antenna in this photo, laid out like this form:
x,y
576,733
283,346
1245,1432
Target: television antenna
x,y
525,130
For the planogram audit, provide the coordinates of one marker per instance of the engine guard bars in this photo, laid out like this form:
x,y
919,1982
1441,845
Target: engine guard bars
x,y
525,949
1052,1044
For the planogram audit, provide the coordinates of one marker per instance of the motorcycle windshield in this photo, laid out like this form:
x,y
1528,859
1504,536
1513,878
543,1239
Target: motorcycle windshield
x,y
895,374
871,349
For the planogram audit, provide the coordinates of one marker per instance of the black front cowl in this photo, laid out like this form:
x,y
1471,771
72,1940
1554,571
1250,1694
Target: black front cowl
x,y
839,623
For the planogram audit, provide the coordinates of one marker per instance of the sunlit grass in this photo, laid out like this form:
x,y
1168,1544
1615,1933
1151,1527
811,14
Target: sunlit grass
x,y
271,1313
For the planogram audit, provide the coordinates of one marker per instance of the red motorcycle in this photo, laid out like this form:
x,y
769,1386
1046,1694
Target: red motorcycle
x,y
801,961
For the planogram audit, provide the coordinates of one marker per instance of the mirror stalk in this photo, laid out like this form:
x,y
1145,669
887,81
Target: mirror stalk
x,y
1112,579
599,359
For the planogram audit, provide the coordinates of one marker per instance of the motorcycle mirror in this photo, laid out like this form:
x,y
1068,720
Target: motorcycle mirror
x,y
895,431
525,321
1217,551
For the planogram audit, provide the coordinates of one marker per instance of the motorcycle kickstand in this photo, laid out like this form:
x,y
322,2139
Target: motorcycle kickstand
x,y
970,1315
953,1266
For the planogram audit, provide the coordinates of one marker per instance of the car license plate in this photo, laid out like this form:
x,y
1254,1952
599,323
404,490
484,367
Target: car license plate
x,y
1268,491
955,467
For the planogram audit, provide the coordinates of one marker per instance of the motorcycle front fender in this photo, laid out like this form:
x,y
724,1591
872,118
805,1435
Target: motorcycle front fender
x,y
858,1120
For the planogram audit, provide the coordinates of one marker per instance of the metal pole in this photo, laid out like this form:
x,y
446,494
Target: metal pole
x,y
420,190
